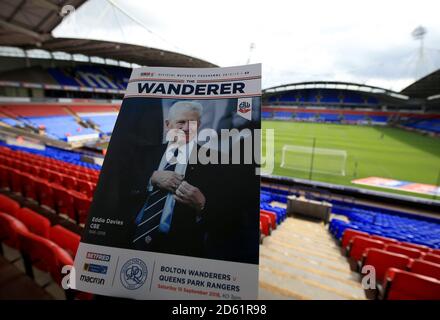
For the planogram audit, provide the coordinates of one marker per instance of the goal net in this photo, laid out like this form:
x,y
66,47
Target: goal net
x,y
326,161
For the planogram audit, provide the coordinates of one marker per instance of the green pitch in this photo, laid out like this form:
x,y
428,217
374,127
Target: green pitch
x,y
371,151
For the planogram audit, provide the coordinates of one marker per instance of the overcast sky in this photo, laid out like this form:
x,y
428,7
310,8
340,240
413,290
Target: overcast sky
x,y
367,42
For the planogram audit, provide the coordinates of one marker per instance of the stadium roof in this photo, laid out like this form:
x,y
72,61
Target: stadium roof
x,y
334,85
24,23
427,87
28,25
127,52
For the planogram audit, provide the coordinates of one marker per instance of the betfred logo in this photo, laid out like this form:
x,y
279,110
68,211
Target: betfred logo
x,y
244,108
98,256
147,74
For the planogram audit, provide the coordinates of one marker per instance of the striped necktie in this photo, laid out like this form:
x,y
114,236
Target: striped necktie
x,y
148,219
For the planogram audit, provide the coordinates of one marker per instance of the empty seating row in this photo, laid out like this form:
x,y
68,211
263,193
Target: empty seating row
x,y
70,157
404,228
410,249
418,264
43,161
45,247
53,172
430,125
270,216
51,194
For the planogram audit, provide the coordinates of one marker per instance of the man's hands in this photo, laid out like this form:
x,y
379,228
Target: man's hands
x,y
191,196
182,190
166,180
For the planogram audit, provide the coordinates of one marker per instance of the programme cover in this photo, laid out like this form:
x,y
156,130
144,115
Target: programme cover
x,y
176,211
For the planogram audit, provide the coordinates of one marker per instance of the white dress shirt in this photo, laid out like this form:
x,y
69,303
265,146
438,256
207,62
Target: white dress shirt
x,y
182,163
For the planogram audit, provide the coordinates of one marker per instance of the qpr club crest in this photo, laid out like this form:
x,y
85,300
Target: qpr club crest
x,y
133,274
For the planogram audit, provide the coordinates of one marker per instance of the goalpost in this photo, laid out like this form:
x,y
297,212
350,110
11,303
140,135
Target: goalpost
x,y
319,160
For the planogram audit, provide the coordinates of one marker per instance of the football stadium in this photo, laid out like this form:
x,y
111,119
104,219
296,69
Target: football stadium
x,y
355,183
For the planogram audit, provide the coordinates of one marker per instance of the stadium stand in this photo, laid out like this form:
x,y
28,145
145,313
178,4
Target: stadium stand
x,y
422,122
73,158
68,122
48,181
368,236
404,227
429,125
103,77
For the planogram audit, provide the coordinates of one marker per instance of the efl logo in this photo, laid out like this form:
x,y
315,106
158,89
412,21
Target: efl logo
x,y
95,268
98,256
244,108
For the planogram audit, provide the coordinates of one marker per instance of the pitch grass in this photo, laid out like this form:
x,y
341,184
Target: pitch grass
x,y
378,151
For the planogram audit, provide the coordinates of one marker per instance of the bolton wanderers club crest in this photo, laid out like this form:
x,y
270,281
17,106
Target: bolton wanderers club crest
x,y
244,108
133,274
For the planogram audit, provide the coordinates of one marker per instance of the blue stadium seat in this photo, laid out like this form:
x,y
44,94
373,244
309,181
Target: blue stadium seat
x,y
431,125
106,122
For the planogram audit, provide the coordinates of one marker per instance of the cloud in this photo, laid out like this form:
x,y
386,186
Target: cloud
x,y
367,42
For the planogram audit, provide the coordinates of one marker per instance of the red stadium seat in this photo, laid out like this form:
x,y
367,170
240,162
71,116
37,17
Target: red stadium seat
x,y
64,201
382,260
410,252
426,268
45,193
432,257
272,216
26,167
35,170
359,244
35,222
15,164
55,177
403,285
69,182
84,176
265,221
44,173
415,246
9,173
348,235
10,228
29,186
85,187
44,255
8,205
6,160
82,206
72,173
66,239
15,178
384,239
4,177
